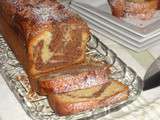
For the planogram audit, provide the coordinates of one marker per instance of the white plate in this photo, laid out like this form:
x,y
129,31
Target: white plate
x,y
141,28
121,38
109,35
135,38
116,39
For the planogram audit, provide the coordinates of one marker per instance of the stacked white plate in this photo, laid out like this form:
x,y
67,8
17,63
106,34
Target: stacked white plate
x,y
135,34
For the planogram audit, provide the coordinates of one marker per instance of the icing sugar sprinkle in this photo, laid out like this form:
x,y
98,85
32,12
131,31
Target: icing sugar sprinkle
x,y
45,12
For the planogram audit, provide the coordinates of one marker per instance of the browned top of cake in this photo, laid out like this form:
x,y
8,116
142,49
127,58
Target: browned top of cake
x,y
32,15
40,10
45,11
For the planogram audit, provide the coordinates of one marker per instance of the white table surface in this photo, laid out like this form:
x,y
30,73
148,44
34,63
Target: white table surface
x,y
10,108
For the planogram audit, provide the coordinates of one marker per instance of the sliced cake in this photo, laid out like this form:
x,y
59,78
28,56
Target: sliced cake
x,y
88,99
73,78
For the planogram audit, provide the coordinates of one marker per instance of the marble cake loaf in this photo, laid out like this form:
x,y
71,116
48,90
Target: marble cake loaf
x,y
49,36
50,42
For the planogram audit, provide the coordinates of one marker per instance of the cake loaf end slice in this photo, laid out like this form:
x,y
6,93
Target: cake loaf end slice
x,y
88,99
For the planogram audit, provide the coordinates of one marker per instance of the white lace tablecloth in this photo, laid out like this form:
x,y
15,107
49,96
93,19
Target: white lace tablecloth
x,y
146,107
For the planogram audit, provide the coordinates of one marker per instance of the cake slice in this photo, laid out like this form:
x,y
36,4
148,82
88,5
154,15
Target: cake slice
x,y
75,77
88,99
117,7
141,9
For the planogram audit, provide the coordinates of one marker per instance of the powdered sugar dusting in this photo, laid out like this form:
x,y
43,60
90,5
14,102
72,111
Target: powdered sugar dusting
x,y
41,10
45,12
141,23
135,19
